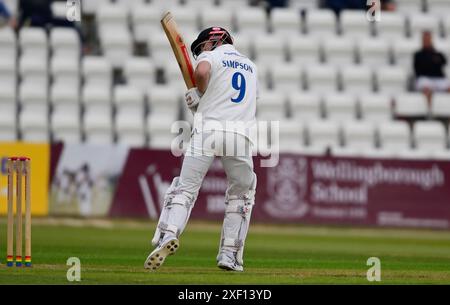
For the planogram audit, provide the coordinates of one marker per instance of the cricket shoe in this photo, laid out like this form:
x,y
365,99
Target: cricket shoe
x,y
166,247
227,260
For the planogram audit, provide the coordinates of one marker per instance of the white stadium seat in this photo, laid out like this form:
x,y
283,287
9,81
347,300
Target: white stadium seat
x,y
165,4
34,126
394,136
354,24
311,150
321,78
64,98
34,69
187,19
346,152
303,4
65,41
34,114
423,22
339,50
33,97
90,7
359,135
251,21
285,22
164,101
392,26
286,77
159,131
116,45
8,43
140,72
305,106
65,118
8,71
323,134
199,3
440,106
130,130
391,79
213,16
413,154
112,17
96,98
227,4
66,69
357,79
66,127
410,6
98,127
173,75
291,136
374,52
376,107
441,155
8,120
58,9
321,23
340,107
129,99
8,125
159,48
244,44
145,20
270,49
130,115
129,4
263,75
271,105
97,70
438,7
403,51
430,136
33,42
411,105
8,95
304,49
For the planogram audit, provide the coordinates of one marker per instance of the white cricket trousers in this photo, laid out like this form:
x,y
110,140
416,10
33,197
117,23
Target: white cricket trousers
x,y
199,157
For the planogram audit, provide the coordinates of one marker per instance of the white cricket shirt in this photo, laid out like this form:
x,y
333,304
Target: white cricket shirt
x,y
232,90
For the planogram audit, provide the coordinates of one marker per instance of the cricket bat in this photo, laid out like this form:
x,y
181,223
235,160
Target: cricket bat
x,y
179,49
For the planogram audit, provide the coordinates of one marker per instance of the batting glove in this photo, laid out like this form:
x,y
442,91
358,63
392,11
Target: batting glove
x,y
192,98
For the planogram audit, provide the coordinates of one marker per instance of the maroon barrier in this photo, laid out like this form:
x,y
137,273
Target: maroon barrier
x,y
146,176
356,191
315,190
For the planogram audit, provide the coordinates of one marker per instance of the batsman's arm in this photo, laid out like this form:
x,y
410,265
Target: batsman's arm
x,y
202,74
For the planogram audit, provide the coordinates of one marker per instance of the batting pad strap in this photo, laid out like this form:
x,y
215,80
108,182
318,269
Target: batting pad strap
x,y
181,200
230,242
236,206
167,227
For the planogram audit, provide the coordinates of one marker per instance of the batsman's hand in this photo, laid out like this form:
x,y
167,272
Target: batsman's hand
x,y
192,98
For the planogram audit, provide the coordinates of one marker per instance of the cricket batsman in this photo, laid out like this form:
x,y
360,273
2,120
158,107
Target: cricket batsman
x,y
226,91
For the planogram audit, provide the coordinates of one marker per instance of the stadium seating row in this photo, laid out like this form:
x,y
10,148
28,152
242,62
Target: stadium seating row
x,y
97,103
144,19
427,139
64,42
65,46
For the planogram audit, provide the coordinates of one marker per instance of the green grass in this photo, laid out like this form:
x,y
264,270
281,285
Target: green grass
x,y
114,253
